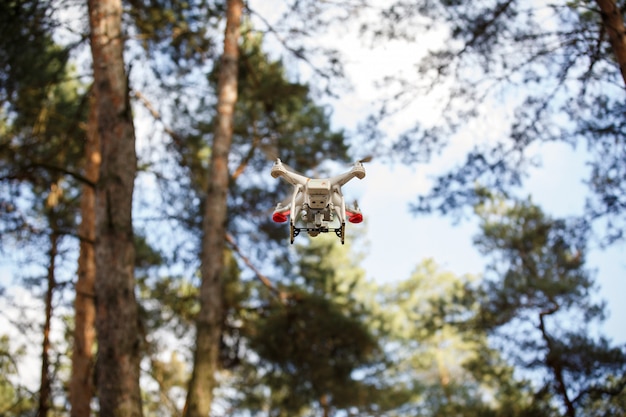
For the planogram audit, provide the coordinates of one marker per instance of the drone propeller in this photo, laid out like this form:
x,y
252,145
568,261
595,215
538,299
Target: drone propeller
x,y
285,201
354,214
362,160
290,168
270,150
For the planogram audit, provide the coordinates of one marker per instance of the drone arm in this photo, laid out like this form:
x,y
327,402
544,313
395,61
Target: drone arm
x,y
356,171
293,178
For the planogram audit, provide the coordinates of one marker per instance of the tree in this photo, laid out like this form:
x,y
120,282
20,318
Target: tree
x,y
438,365
273,117
209,319
271,114
538,297
46,111
82,388
555,66
119,339
41,110
15,400
310,345
42,148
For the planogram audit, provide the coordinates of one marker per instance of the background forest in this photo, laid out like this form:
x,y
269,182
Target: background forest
x,y
141,274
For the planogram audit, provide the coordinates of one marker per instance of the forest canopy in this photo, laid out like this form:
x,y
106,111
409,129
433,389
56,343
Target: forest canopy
x,y
136,140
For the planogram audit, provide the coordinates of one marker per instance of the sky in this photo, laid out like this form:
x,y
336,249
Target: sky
x,y
398,240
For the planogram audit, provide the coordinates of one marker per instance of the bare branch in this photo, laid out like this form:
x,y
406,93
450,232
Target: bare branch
x,y
282,296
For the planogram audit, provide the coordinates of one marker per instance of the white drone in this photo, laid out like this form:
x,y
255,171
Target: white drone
x,y
316,201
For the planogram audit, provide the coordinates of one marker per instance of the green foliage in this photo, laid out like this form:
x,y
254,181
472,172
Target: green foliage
x,y
540,299
444,366
434,344
42,115
280,116
181,31
29,59
146,256
15,400
539,260
169,376
315,349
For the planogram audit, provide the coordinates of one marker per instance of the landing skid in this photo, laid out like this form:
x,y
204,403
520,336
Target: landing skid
x,y
339,231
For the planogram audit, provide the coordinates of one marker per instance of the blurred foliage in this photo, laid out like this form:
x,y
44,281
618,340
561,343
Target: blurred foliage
x,y
507,78
15,399
314,348
176,32
518,341
42,117
538,296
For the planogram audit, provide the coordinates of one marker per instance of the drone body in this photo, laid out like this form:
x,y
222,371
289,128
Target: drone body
x,y
316,202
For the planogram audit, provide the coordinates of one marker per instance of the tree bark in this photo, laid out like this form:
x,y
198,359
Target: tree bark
x,y
82,387
44,387
554,364
116,306
614,26
209,320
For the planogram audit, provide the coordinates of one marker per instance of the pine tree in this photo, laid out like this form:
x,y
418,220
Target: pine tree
x,y
310,345
540,297
117,324
209,318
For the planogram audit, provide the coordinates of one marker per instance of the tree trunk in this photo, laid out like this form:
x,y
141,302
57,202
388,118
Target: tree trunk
x,y
614,26
554,364
209,320
325,405
443,371
116,305
81,383
44,390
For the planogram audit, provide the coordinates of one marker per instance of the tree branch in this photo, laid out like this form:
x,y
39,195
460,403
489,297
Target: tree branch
x,y
555,365
282,296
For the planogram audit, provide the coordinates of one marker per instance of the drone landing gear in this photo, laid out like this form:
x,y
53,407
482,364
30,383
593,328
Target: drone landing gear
x,y
293,232
314,231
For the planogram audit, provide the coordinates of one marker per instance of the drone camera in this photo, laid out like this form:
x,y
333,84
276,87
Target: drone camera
x,y
319,192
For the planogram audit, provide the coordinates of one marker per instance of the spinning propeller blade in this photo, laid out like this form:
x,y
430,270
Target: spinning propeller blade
x,y
289,168
285,201
354,214
362,160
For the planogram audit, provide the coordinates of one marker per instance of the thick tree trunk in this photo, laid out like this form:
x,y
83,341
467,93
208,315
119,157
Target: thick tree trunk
x,y
44,388
613,20
209,320
116,306
82,388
